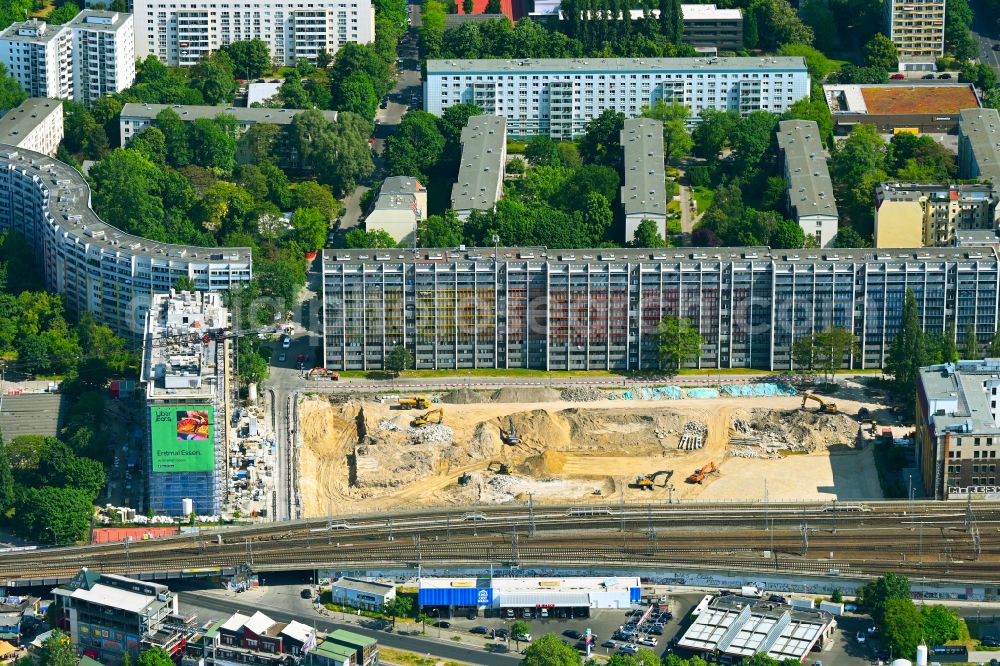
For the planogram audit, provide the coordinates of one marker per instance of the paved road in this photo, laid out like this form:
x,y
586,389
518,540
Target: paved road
x,y
208,607
986,32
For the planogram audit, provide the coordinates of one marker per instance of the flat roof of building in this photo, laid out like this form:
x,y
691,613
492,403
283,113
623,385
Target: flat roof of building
x,y
194,112
934,191
565,584
892,256
897,99
810,190
35,31
958,400
981,129
19,122
618,65
351,638
398,193
69,204
744,626
644,190
114,597
709,13
96,19
366,586
455,20
335,650
481,169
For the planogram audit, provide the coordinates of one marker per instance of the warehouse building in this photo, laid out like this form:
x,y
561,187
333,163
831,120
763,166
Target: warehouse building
x,y
892,107
36,124
95,267
810,190
187,396
932,214
644,194
979,144
526,597
741,627
363,594
557,97
480,173
599,309
958,429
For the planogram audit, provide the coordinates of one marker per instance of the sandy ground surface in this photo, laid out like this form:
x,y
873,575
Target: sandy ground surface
x,y
365,456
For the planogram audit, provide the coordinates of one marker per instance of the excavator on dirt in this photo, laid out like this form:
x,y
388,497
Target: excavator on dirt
x,y
510,435
498,468
700,474
648,482
824,406
433,416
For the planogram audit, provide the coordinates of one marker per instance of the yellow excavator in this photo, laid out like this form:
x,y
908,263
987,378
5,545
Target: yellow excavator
x,y
648,482
433,416
498,468
824,407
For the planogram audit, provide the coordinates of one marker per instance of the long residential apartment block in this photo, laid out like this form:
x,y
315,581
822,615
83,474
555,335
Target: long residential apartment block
x,y
916,27
480,174
98,268
912,214
182,33
558,97
136,117
979,144
644,194
36,124
599,309
810,190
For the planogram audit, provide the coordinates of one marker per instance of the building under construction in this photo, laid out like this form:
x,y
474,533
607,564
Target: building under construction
x,y
187,394
599,309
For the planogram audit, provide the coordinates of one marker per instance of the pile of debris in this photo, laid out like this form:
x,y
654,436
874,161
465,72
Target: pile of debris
x,y
693,435
765,433
583,394
431,434
390,425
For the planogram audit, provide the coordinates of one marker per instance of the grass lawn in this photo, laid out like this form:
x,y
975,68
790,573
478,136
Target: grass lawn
x,y
47,8
394,656
703,196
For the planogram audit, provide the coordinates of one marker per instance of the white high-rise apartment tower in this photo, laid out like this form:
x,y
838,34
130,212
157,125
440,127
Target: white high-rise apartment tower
x,y
103,54
182,33
39,57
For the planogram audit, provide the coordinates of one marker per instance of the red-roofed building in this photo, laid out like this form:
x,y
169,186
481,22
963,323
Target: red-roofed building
x,y
512,9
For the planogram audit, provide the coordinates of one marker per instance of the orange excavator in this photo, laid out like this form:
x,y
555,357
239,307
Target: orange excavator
x,y
700,474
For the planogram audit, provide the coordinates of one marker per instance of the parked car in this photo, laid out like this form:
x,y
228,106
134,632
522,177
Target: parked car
x,y
572,633
609,644
479,630
629,648
860,637
524,638
897,76
281,357
286,342
646,640
502,632
443,624
946,75
306,593
931,76
990,641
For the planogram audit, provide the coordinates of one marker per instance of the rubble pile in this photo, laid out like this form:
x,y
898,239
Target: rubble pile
x,y
583,394
431,434
693,435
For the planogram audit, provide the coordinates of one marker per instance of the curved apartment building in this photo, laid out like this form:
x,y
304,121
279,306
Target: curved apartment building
x,y
96,267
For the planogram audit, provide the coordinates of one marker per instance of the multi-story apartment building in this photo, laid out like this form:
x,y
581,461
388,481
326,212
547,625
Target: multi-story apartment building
x,y
558,97
911,214
36,124
401,205
644,194
108,617
707,26
480,173
136,117
182,33
97,268
103,54
599,309
979,144
958,429
916,27
187,396
810,190
39,57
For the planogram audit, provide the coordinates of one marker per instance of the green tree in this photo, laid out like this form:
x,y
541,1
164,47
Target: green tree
x,y
432,27
677,142
257,145
833,348
156,656
400,606
398,359
253,367
601,142
908,351
750,138
957,36
211,145
881,52
62,15
901,627
712,132
376,238
175,134
971,346
777,24
358,95
250,59
6,480
213,78
492,7
72,471
453,120
151,144
549,650
54,515
804,353
941,624
56,650
949,346
679,343
310,194
817,63
994,351
33,354
647,234
441,230
836,596
11,93
875,596
467,6
416,147
310,227
519,628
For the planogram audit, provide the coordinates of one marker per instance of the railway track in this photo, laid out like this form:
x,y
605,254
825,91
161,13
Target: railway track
x,y
949,541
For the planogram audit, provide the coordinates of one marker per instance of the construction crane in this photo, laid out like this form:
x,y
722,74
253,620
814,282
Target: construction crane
x,y
700,474
424,419
510,435
824,407
416,402
648,481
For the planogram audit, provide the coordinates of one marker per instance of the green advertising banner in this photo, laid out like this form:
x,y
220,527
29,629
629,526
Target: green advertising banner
x,y
183,438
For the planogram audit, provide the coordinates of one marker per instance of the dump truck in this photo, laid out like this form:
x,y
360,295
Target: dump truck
x,y
416,402
648,482
699,474
824,407
433,416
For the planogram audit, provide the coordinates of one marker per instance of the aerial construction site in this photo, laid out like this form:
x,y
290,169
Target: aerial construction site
x,y
583,445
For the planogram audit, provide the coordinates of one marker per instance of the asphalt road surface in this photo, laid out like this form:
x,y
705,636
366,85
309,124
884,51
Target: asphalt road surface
x,y
986,32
